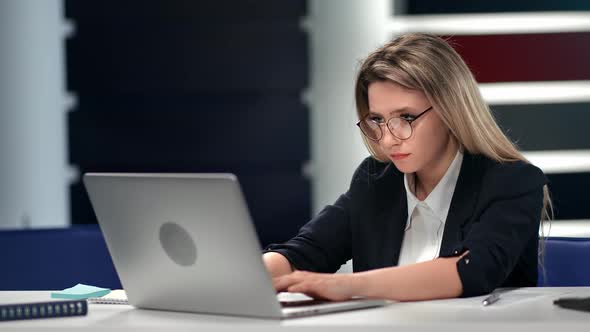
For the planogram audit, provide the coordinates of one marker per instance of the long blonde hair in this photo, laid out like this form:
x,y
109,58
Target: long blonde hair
x,y
429,64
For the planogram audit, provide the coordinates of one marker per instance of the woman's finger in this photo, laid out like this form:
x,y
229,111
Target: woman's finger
x,y
283,282
310,289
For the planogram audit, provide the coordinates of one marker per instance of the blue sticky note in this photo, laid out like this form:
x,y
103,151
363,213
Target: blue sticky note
x,y
80,291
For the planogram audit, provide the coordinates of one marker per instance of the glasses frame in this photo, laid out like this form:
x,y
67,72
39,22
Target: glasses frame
x,y
386,123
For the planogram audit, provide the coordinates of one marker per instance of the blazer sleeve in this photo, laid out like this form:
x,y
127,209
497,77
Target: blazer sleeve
x,y
509,221
324,243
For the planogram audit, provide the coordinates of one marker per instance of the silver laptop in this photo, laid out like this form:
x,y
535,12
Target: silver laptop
x,y
186,242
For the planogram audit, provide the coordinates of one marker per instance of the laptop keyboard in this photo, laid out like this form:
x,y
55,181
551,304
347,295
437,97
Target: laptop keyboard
x,y
302,303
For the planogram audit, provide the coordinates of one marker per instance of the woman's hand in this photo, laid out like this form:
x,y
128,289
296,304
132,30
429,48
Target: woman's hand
x,y
333,287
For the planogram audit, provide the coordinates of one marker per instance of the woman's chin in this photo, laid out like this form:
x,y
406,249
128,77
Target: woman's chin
x,y
403,166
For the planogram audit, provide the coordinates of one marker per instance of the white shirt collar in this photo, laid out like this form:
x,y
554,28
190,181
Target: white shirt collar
x,y
439,200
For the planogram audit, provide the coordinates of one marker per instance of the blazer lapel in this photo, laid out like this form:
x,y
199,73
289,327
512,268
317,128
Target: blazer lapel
x,y
462,203
400,213
392,215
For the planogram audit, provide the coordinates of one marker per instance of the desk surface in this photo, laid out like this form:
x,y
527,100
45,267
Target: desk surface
x,y
518,310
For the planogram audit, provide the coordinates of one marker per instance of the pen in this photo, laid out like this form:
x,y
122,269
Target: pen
x,y
493,298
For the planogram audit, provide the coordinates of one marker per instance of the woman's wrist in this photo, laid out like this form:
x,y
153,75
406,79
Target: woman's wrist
x,y
372,284
359,284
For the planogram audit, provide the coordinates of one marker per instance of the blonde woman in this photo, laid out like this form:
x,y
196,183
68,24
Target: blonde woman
x,y
446,206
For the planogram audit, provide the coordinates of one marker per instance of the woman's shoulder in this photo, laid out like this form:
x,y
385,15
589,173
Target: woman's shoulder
x,y
514,177
372,171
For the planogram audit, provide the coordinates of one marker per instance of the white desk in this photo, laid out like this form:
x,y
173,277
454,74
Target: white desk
x,y
526,309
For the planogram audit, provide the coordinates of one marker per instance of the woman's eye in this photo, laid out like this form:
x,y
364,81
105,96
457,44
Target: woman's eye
x,y
376,119
408,117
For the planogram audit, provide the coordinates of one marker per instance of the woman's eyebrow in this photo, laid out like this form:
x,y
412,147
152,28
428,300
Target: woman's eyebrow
x,y
399,110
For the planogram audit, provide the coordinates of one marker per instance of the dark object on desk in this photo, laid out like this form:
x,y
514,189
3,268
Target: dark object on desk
x,y
50,309
575,303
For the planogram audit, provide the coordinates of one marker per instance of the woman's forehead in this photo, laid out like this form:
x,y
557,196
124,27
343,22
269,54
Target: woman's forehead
x,y
388,97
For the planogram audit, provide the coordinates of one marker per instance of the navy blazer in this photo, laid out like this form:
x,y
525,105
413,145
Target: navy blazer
x,y
495,214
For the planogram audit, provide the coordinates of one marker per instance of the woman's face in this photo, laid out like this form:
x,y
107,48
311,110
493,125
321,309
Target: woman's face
x,y
430,141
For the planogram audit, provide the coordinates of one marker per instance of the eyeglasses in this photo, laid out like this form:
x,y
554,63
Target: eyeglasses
x,y
400,127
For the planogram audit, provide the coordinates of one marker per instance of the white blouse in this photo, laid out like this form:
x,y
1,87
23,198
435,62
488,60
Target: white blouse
x,y
426,219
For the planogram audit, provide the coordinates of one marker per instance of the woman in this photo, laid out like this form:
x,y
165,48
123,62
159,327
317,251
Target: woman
x,y
445,207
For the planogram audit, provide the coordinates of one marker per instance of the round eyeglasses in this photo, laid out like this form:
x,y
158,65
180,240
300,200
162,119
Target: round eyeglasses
x,y
400,127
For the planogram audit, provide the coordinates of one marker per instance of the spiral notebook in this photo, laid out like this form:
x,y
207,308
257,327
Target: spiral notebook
x,y
45,309
117,296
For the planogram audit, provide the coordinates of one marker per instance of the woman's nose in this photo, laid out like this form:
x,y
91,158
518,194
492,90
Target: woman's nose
x,y
388,140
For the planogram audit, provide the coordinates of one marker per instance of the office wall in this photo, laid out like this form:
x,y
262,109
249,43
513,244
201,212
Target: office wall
x,y
186,86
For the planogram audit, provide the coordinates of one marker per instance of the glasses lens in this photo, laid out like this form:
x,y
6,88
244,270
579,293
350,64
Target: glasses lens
x,y
370,129
400,128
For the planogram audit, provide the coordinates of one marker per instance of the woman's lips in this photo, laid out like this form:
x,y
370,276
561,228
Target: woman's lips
x,y
399,156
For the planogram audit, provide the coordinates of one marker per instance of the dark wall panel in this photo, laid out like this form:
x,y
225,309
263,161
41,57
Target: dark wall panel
x,y
190,10
194,86
187,57
219,102
496,6
546,126
181,140
568,192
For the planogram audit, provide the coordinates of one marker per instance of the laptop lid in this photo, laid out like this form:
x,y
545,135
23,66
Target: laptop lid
x,y
186,242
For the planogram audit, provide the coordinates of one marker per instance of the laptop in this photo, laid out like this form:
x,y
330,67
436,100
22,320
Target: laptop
x,y
186,242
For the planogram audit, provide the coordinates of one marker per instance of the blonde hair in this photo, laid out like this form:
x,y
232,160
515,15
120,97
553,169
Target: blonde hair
x,y
429,64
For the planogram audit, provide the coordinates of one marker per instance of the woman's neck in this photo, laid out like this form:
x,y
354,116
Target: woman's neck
x,y
427,178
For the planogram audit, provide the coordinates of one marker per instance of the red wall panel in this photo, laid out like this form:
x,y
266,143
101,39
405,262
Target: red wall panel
x,y
526,57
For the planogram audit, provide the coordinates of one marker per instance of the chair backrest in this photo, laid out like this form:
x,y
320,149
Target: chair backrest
x,y
566,262
49,259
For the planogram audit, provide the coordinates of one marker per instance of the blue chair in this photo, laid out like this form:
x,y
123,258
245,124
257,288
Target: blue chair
x,y
567,262
49,259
